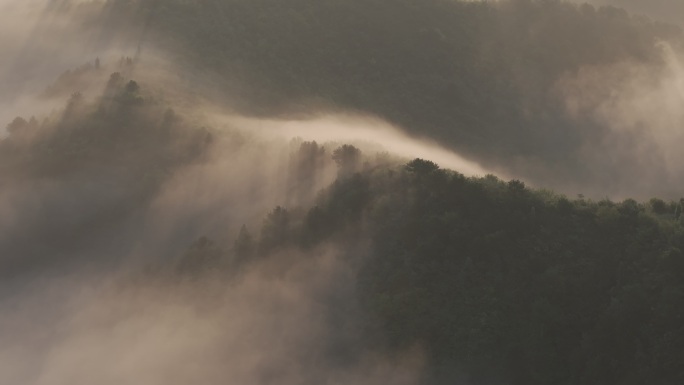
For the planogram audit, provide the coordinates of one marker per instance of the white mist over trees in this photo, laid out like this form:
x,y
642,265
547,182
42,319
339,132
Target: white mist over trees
x,y
303,192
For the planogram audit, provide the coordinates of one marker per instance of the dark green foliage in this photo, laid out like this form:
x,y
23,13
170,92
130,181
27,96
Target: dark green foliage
x,y
420,166
658,206
502,283
348,159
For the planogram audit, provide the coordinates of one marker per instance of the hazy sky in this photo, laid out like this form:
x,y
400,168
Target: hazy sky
x,y
666,10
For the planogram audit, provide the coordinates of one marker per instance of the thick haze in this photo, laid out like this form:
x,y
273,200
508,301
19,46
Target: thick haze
x,y
537,136
78,217
285,321
671,11
39,40
134,155
644,114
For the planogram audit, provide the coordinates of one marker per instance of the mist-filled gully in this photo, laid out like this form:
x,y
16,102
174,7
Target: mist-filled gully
x,y
343,192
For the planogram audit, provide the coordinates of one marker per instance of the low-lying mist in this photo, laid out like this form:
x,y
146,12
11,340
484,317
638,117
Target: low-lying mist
x,y
290,320
368,132
100,197
93,224
545,140
131,181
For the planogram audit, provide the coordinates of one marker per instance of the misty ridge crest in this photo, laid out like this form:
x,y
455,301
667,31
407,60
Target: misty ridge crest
x,y
496,82
157,227
104,173
387,247
492,80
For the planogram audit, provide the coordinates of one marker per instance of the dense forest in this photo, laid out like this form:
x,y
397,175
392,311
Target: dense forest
x,y
157,226
504,283
497,282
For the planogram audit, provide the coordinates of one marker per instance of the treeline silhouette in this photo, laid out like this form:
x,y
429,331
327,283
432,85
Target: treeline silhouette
x,y
82,172
499,283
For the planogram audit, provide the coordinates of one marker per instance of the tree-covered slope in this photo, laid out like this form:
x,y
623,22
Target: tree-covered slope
x,y
491,281
497,282
139,242
86,173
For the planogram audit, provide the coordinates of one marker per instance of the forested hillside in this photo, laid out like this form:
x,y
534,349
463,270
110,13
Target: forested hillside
x,y
165,218
492,281
84,172
499,283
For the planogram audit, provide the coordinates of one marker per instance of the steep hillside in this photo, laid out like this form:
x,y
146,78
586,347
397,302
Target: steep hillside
x,y
248,192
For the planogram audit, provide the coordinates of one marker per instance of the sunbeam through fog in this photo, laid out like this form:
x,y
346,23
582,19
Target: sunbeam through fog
x,y
257,192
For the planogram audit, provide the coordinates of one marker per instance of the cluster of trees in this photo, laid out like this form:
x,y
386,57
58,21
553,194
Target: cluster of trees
x,y
527,287
86,77
121,127
83,171
498,282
